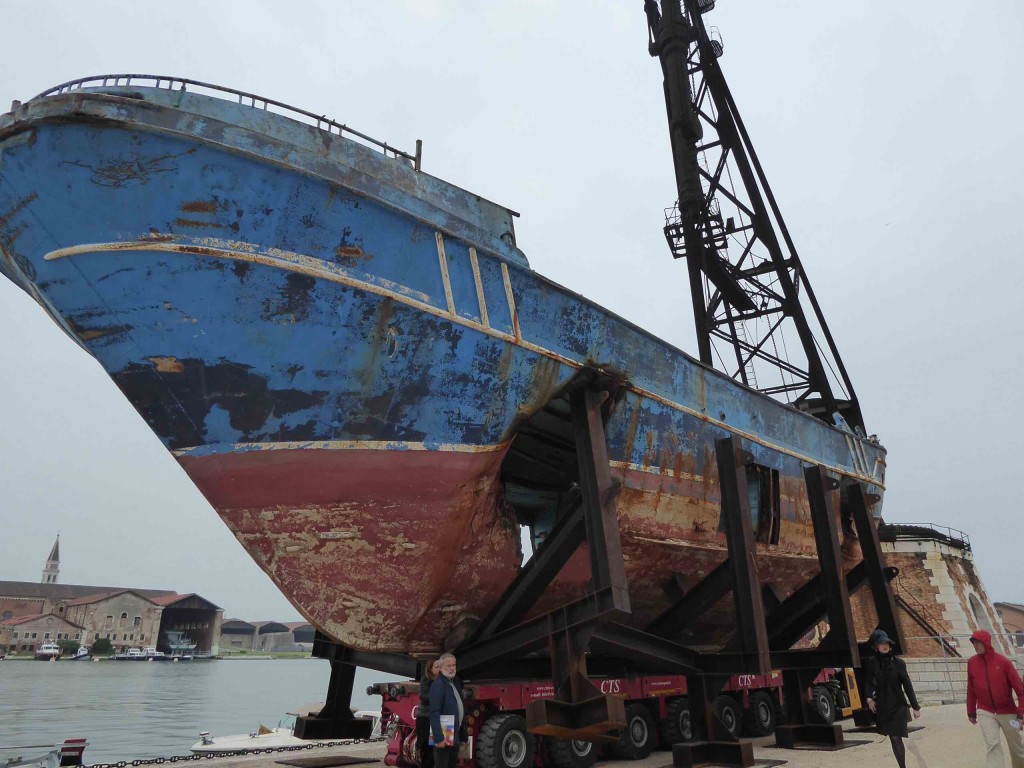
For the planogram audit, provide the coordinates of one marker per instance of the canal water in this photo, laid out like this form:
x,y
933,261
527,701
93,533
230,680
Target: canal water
x,y
143,710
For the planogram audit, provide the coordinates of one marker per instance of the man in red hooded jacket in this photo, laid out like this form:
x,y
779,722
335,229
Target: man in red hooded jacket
x,y
991,683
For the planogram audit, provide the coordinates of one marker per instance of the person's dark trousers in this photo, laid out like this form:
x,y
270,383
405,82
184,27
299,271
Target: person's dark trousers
x,y
447,757
426,751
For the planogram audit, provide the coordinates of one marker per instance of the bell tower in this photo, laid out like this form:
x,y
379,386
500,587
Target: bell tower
x,y
52,569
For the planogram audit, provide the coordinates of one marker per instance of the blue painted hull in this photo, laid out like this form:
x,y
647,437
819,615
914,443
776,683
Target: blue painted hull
x,y
340,351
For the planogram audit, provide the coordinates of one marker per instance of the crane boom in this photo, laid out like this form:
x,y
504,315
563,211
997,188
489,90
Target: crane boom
x,y
748,288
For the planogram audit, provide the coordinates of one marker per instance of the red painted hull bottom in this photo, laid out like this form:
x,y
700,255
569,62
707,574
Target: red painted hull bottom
x,y
387,550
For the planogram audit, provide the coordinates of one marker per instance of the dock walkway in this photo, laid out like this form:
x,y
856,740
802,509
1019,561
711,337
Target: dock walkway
x,y
946,740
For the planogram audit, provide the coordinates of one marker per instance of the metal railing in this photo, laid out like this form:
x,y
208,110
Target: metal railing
x,y
247,99
917,531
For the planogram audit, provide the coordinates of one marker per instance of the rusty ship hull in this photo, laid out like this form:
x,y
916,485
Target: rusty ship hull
x,y
354,363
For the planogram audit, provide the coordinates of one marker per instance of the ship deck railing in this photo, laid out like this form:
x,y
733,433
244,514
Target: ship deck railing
x,y
245,98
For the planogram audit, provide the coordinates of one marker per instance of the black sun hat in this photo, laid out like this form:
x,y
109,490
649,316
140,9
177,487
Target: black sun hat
x,y
878,637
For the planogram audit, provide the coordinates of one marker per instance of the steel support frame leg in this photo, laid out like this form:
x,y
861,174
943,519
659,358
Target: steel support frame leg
x,y
840,638
335,720
751,637
712,743
871,551
579,709
808,727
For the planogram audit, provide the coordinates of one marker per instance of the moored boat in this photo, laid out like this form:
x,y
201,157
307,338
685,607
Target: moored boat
x,y
141,654
48,652
67,753
347,355
271,738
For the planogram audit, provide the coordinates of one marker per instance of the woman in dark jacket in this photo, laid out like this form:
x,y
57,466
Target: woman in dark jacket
x,y
430,673
887,681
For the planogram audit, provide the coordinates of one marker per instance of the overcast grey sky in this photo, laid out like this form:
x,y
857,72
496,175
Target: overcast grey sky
x,y
890,132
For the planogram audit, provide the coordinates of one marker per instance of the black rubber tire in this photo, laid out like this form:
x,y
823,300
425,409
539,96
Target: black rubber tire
x,y
504,742
823,703
759,717
566,753
637,739
676,727
729,714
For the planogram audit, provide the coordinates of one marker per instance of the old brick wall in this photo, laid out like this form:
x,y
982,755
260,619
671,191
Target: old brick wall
x,y
19,606
940,592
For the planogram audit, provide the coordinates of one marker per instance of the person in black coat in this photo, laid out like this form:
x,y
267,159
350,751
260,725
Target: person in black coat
x,y
430,673
887,682
446,699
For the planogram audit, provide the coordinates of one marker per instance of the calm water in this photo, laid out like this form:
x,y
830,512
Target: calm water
x,y
141,710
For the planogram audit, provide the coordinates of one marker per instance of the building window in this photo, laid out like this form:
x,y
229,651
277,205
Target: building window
x,y
33,635
124,620
96,636
107,636
137,622
46,636
131,637
60,609
78,635
1020,639
15,635
108,622
142,637
6,616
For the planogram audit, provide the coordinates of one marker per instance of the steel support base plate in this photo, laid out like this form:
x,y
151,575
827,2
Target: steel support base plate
x,y
332,728
697,753
589,720
793,736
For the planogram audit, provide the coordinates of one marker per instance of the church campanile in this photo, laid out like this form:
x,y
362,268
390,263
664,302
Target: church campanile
x,y
52,569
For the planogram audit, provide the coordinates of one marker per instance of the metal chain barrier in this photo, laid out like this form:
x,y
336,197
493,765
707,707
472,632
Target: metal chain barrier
x,y
237,753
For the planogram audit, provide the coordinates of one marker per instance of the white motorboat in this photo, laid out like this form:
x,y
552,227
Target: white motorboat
x,y
271,738
48,652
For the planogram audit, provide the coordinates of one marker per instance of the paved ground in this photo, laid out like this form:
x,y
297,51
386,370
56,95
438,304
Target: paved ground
x,y
946,740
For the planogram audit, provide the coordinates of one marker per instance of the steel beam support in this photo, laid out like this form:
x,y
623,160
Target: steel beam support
x,y
564,539
805,726
752,633
871,551
335,720
694,603
806,607
840,637
663,654
608,569
712,742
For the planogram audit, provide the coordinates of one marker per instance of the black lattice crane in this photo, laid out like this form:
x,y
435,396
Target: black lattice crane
x,y
748,288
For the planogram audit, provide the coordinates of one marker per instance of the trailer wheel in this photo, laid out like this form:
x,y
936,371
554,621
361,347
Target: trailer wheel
x,y
676,726
636,740
759,719
568,753
505,743
823,703
727,710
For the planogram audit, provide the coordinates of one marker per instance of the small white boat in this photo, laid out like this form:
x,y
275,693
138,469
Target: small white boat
x,y
271,738
44,755
142,654
82,654
48,652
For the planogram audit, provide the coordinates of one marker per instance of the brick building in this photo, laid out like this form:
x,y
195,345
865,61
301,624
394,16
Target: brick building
x,y
940,597
1012,616
130,618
